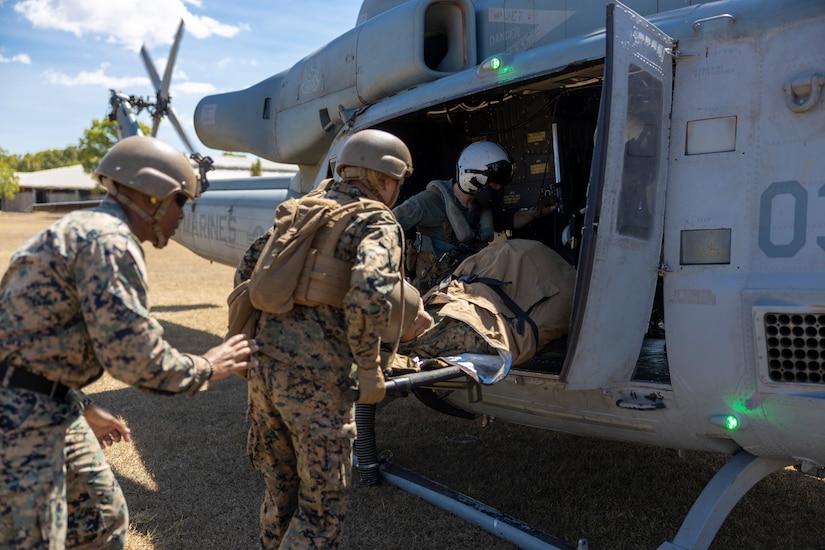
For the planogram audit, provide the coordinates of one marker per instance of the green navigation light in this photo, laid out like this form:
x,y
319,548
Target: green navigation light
x,y
730,422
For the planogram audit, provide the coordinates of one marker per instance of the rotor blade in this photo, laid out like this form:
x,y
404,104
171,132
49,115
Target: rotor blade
x,y
150,68
173,118
155,125
170,64
153,76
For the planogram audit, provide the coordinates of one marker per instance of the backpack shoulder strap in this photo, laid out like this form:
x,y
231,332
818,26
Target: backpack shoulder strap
x,y
328,236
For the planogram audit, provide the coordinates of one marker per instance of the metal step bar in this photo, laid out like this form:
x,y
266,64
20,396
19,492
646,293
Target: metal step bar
x,y
491,520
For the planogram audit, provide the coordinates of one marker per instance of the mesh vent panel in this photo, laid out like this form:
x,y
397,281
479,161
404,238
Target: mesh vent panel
x,y
795,347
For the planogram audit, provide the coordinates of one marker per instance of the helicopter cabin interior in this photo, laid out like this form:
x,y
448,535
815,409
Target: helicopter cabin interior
x,y
548,126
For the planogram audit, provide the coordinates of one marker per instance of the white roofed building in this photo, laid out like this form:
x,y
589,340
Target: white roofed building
x,y
231,167
70,184
66,184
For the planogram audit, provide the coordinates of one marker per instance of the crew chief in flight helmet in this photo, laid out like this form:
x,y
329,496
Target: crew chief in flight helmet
x,y
483,163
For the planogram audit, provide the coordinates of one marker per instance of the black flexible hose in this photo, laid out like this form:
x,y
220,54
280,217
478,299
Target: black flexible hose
x,y
366,449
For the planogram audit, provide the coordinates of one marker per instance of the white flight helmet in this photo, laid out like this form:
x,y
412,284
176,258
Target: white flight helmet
x,y
483,162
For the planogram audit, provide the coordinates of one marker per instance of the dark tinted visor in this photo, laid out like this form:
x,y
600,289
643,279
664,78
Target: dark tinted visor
x,y
500,172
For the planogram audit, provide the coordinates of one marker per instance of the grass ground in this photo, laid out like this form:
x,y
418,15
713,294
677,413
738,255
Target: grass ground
x,y
189,484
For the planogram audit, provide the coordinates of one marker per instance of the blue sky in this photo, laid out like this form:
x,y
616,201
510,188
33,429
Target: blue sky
x,y
60,58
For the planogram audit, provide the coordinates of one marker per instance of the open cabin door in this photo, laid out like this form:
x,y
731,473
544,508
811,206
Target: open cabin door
x,y
622,235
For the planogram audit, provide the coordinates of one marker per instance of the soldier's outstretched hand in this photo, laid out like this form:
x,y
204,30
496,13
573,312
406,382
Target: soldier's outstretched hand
x,y
108,428
232,356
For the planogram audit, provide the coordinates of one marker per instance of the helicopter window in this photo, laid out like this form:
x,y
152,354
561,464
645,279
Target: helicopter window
x,y
326,121
331,167
267,101
642,156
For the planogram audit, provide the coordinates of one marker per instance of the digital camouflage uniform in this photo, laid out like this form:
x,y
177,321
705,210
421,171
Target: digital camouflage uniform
x,y
471,317
73,302
300,405
98,516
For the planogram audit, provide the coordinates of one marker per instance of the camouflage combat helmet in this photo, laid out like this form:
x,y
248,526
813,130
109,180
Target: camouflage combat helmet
x,y
376,150
150,166
153,168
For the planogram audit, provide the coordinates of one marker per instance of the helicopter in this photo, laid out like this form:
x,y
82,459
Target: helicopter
x,y
683,140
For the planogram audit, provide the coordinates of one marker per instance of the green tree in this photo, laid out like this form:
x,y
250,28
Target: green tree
x,y
98,139
9,182
96,142
256,169
45,160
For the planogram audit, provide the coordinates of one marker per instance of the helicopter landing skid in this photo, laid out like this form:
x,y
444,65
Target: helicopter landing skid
x,y
703,521
719,497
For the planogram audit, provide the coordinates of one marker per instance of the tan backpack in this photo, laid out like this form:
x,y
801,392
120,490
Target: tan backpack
x,y
297,264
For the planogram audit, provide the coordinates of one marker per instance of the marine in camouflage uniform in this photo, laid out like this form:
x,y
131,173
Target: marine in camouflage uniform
x,y
300,400
73,303
509,299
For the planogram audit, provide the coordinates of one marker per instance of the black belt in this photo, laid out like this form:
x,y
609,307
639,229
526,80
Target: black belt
x,y
15,377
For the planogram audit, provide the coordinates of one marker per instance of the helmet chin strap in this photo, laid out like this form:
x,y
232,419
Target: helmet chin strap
x,y
394,198
161,239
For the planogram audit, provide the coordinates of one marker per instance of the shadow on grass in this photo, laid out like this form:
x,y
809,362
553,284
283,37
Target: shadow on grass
x,y
617,495
194,449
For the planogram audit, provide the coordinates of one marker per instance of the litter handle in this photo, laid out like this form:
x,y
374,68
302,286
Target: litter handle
x,y
403,383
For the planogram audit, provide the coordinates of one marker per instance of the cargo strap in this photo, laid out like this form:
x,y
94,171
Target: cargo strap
x,y
496,285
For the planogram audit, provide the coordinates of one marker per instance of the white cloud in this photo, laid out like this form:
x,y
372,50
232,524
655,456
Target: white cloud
x,y
19,58
129,23
194,88
101,79
204,27
96,78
